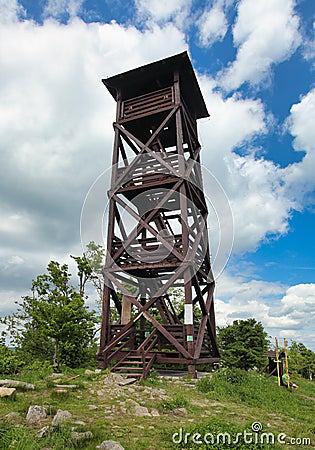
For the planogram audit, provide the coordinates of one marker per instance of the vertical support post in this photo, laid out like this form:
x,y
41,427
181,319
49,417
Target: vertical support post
x,y
105,326
189,320
142,289
125,310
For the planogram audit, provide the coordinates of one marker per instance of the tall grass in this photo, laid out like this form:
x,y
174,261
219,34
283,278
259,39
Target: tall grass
x,y
253,389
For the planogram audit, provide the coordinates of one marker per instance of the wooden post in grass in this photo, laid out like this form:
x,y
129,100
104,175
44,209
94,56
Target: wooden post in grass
x,y
286,360
277,362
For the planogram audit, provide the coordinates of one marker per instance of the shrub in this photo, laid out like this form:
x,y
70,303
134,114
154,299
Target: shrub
x,y
10,363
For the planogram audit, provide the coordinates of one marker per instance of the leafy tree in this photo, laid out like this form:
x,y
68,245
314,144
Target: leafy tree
x,y
53,323
302,360
243,344
90,268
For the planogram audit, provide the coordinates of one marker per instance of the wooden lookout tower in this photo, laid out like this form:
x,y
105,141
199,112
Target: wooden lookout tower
x,y
157,239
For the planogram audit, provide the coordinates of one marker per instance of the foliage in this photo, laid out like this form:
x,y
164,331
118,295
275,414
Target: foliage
x,y
36,371
243,344
302,360
90,268
53,323
10,362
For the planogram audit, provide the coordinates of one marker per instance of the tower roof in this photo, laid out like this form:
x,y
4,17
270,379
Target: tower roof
x,y
158,75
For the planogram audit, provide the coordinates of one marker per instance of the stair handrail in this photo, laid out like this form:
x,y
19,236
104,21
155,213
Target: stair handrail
x,y
142,347
147,368
119,336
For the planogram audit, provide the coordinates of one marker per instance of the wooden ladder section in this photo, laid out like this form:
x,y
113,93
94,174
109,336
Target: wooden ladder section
x,y
134,365
138,363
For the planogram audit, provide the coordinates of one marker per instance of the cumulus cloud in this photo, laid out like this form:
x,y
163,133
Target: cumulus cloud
x,y
300,176
255,187
265,33
161,11
56,126
212,25
57,8
283,311
10,11
309,48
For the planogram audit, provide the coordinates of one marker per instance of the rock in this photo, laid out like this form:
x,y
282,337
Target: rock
x,y
110,445
80,422
179,412
81,436
61,416
133,402
17,384
36,413
98,370
141,411
43,432
61,391
66,386
13,417
55,375
91,407
155,413
112,378
127,381
7,392
89,372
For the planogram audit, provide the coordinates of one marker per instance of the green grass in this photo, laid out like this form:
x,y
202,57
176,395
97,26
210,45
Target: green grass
x,y
229,401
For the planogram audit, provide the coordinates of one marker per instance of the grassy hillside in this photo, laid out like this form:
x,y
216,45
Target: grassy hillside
x,y
175,413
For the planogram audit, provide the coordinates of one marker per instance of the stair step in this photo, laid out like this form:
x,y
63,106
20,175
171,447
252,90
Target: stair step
x,y
132,363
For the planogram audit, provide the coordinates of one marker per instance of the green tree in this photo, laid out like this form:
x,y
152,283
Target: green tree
x,y
302,360
243,344
53,323
90,266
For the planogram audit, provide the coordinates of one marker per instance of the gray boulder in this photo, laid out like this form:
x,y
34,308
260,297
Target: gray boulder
x,y
36,413
111,445
61,416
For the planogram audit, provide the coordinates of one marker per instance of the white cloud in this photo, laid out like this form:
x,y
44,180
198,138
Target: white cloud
x,y
212,25
10,11
283,311
309,47
56,127
254,186
161,11
265,32
300,298
300,176
56,8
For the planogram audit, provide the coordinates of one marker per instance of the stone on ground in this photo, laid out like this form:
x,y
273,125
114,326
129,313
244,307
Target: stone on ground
x,y
110,445
36,413
61,416
6,391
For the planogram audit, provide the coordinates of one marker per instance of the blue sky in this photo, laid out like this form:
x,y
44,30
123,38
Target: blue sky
x,y
255,66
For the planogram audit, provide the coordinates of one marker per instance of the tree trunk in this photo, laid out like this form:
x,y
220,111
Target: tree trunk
x,y
55,358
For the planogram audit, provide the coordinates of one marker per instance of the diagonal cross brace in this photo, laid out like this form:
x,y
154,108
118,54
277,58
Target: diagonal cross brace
x,y
137,230
144,147
143,310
